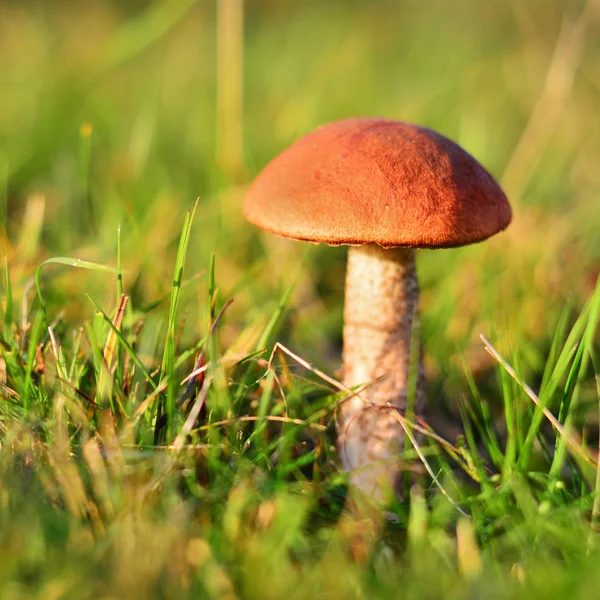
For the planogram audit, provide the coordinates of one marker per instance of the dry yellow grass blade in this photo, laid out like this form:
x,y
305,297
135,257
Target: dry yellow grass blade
x,y
273,418
426,464
111,340
106,374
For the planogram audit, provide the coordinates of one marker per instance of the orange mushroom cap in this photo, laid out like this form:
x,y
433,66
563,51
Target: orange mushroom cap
x,y
368,180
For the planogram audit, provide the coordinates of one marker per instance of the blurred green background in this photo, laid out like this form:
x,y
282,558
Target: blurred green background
x,y
122,113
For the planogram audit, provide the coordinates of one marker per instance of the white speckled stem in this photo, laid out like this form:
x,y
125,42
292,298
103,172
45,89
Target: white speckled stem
x,y
382,295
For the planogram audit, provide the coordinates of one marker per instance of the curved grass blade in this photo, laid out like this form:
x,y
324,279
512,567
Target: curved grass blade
x,y
71,262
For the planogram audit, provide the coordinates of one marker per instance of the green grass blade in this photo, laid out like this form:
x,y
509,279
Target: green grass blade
x,y
211,285
473,458
481,419
119,266
276,316
533,430
119,363
265,336
168,361
8,310
596,504
263,407
34,338
576,376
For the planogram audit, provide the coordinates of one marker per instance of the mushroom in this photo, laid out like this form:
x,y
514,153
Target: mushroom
x,y
384,188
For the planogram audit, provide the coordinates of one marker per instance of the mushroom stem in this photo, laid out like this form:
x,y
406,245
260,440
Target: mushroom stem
x,y
382,294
